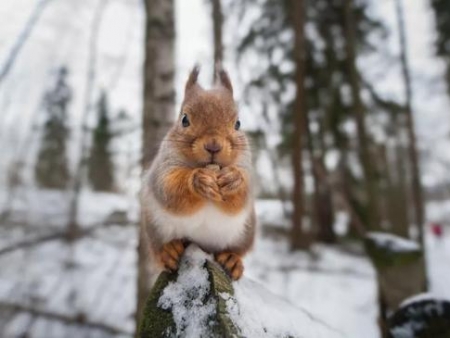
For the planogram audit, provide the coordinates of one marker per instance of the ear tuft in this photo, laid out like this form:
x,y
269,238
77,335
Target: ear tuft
x,y
222,78
192,80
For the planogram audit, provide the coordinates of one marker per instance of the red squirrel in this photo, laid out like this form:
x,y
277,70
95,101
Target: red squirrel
x,y
198,187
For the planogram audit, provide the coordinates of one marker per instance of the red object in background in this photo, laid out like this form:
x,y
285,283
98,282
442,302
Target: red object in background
x,y
436,229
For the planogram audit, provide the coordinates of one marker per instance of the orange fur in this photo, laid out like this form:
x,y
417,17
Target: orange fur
x,y
170,254
179,188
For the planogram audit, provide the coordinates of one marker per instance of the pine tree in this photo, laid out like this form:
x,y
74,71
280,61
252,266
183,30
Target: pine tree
x,y
100,166
441,10
327,83
51,169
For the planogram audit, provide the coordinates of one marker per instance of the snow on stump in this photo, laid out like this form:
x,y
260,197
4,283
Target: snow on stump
x,y
421,317
400,270
201,301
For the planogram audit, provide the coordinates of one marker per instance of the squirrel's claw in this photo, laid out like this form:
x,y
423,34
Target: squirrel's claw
x,y
204,183
232,264
171,253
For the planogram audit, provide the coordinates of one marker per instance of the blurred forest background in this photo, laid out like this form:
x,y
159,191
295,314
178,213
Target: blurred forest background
x,y
347,105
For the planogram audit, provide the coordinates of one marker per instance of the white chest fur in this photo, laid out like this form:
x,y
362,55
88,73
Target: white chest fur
x,y
209,227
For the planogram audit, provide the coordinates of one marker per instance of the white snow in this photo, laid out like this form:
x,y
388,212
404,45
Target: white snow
x,y
259,313
186,296
392,242
253,309
419,298
331,284
438,264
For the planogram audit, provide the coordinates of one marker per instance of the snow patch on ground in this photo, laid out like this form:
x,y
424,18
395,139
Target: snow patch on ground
x,y
438,265
259,313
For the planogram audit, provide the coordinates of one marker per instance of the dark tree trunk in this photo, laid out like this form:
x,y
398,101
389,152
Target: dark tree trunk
x,y
359,113
158,109
401,225
417,196
299,239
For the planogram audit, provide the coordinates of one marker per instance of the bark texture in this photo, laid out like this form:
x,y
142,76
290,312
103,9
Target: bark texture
x,y
159,104
299,240
417,194
400,274
217,19
359,114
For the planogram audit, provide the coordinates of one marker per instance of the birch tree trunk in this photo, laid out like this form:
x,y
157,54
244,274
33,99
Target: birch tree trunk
x,y
158,108
217,20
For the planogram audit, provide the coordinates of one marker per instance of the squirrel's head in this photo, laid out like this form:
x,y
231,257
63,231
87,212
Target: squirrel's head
x,y
208,127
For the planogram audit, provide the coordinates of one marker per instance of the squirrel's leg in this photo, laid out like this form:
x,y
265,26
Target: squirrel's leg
x,y
170,254
232,263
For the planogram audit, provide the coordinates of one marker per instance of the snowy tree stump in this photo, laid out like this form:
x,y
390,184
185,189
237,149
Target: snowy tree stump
x,y
201,301
421,318
174,312
400,271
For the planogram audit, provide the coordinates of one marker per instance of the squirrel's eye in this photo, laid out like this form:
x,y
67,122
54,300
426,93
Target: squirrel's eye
x,y
185,121
237,125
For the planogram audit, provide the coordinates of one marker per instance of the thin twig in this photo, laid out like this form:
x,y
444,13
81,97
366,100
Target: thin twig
x,y
23,37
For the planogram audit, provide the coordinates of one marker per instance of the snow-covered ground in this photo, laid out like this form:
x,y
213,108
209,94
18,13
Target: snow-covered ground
x,y
321,283
87,287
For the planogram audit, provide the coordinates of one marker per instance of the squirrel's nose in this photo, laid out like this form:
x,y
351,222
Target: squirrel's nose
x,y
212,147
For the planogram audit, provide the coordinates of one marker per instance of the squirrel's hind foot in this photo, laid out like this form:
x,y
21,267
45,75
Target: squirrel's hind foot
x,y
232,264
171,253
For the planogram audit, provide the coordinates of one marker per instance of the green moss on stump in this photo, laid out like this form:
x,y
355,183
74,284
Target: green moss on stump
x,y
157,322
221,283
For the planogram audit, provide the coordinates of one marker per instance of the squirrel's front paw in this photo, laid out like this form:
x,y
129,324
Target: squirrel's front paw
x,y
229,180
205,184
171,253
232,263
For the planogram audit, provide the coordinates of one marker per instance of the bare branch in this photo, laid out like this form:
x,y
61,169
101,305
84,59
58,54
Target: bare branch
x,y
77,319
22,38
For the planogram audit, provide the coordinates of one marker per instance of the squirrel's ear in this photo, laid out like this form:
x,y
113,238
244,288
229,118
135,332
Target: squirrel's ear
x,y
192,80
223,79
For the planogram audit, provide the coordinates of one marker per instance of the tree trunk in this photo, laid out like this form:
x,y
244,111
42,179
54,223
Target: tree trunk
x,y
299,239
158,109
417,197
359,112
402,218
217,19
399,264
323,209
